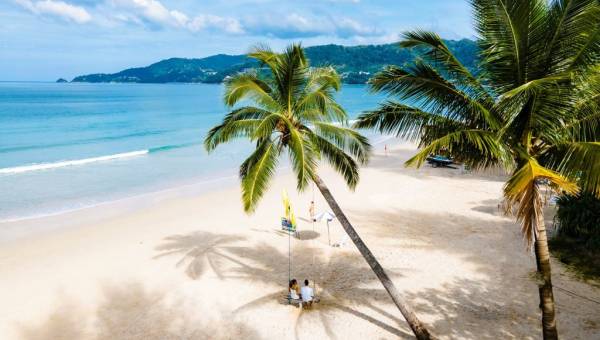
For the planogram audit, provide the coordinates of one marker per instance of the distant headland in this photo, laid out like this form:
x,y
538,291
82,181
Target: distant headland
x,y
355,64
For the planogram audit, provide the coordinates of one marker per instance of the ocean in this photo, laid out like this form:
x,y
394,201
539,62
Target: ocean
x,y
67,146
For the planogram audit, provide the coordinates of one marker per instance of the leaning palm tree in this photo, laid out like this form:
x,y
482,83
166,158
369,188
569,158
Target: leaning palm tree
x,y
532,107
295,112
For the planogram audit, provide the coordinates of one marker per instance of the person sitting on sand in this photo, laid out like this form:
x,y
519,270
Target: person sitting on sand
x,y
294,290
307,294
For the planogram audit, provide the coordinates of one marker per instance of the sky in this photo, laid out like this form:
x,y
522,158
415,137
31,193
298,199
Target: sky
x,y
43,40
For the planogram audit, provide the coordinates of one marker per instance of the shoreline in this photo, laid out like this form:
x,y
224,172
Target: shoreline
x,y
22,226
180,266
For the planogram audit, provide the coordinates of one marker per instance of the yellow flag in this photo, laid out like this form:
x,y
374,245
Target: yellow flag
x,y
286,205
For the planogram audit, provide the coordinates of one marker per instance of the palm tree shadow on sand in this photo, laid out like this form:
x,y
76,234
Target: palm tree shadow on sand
x,y
131,311
200,251
502,302
342,277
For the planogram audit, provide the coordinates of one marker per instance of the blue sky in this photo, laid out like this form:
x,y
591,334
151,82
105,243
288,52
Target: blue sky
x,y
48,39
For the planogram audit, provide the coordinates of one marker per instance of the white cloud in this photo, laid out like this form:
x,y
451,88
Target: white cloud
x,y
379,39
180,18
349,27
295,25
228,25
151,11
59,9
155,14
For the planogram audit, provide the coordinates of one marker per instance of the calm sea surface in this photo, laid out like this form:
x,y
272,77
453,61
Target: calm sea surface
x,y
69,146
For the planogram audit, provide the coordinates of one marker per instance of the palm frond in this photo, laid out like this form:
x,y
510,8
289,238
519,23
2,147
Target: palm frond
x,y
569,26
523,189
324,76
303,158
338,159
256,171
438,53
423,85
529,212
265,56
539,103
580,160
588,96
537,86
586,129
531,171
291,75
317,100
505,30
346,139
268,125
588,52
477,148
407,122
248,86
238,123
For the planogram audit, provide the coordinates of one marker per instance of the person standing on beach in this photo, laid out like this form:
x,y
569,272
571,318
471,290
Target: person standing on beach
x,y
385,150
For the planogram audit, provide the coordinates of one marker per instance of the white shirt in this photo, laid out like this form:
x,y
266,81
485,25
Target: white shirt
x,y
307,293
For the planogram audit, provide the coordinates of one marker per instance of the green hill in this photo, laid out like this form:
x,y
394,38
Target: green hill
x,y
355,64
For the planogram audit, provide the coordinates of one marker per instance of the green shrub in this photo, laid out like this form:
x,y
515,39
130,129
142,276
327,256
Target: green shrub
x,y
577,243
579,217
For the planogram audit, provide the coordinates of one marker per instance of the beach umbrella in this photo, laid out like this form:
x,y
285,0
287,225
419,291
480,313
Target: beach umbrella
x,y
328,217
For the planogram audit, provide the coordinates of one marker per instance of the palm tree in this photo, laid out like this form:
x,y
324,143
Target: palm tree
x,y
295,112
532,107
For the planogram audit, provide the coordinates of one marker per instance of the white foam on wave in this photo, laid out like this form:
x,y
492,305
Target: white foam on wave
x,y
61,164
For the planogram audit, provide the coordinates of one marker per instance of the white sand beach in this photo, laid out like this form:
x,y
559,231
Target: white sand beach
x,y
200,268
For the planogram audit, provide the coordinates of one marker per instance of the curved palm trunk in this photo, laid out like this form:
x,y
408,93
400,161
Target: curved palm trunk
x,y
412,320
542,256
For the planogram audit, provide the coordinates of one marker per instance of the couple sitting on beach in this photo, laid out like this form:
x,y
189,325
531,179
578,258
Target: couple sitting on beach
x,y
305,294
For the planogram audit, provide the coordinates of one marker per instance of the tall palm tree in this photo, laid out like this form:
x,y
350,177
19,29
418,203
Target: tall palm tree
x,y
532,107
295,112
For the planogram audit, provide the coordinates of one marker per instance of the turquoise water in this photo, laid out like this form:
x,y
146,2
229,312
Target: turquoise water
x,y
69,146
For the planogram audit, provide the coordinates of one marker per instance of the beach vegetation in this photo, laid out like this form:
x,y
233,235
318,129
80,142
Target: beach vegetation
x,y
532,108
577,241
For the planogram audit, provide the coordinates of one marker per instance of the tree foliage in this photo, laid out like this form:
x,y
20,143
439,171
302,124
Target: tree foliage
x,y
532,108
579,217
293,111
